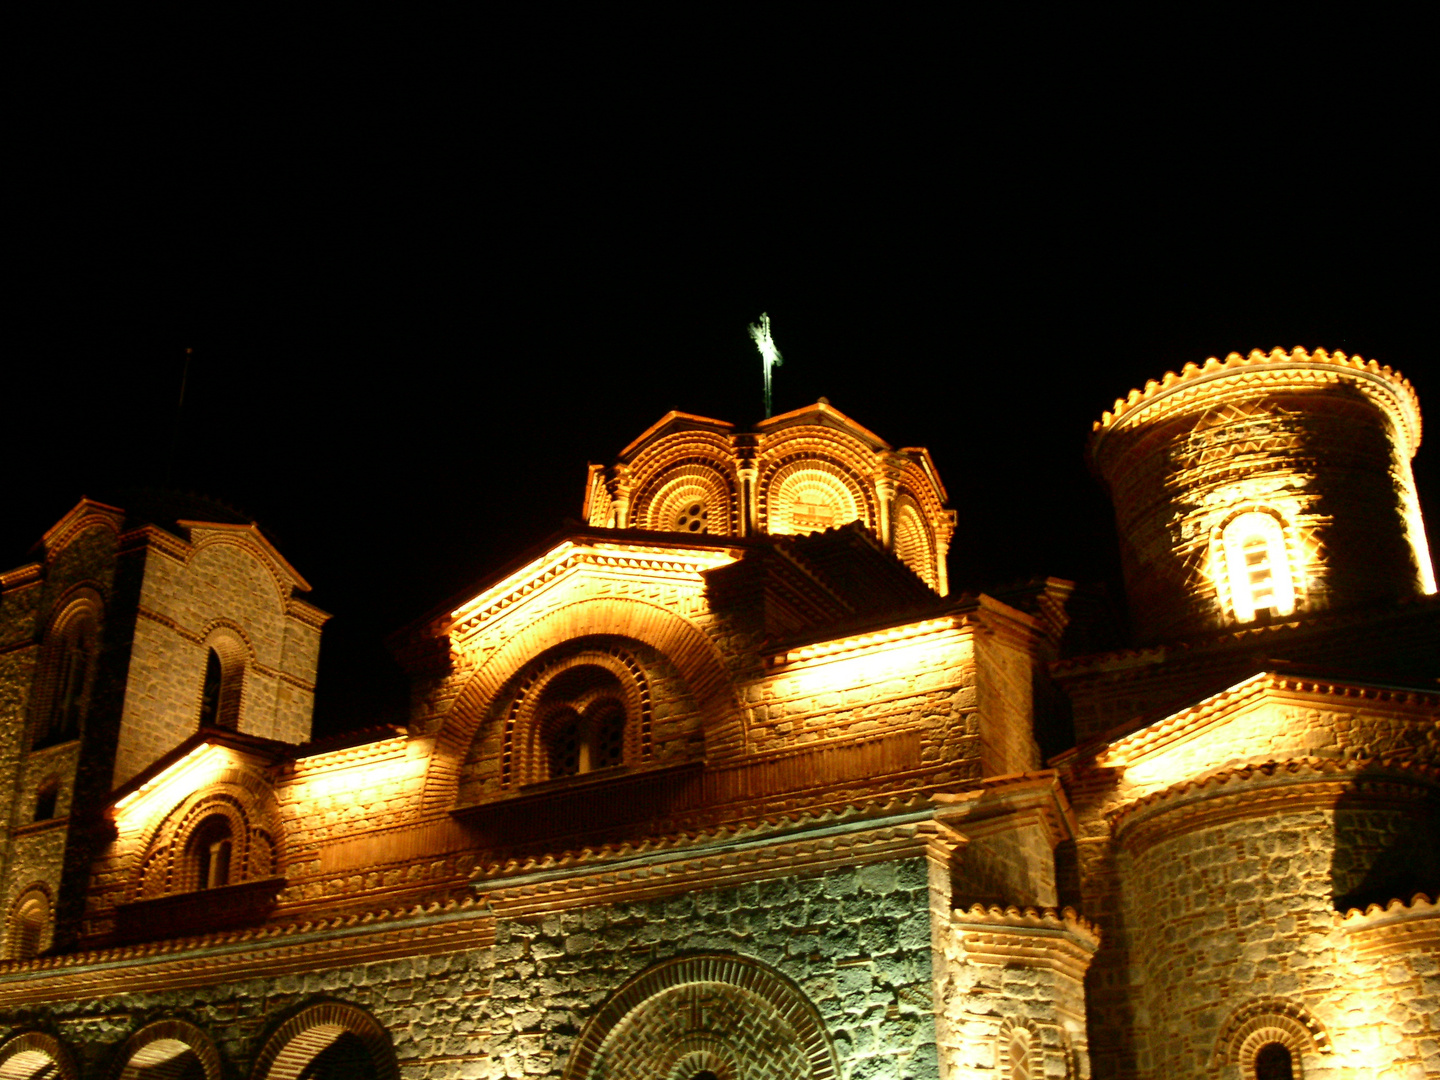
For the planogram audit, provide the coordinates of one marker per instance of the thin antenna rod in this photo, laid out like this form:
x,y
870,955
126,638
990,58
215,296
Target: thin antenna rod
x,y
769,354
179,408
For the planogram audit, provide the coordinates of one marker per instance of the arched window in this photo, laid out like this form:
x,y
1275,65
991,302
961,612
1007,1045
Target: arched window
x,y
28,926
580,723
68,671
211,846
210,691
1273,1062
1257,567
913,545
46,798
1019,1054
222,686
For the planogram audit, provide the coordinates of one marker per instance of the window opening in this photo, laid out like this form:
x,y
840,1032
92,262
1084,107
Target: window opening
x,y
1258,567
344,1059
810,515
210,691
1273,1062
212,845
46,798
692,518
1019,1057
564,747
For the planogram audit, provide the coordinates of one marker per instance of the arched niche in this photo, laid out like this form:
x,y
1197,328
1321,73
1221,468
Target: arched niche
x,y
330,1040
756,1024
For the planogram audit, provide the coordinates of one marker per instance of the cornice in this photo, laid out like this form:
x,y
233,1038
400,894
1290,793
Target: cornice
x,y
21,576
1033,937
260,952
1398,928
1126,745
1261,790
1173,392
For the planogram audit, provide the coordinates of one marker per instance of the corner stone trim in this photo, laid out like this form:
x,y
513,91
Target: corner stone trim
x,y
788,1001
297,1041
27,1054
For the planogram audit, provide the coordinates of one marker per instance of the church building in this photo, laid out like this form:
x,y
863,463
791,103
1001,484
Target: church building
x,y
726,783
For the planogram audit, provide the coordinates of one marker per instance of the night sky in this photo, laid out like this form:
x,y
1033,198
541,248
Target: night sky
x,y
425,284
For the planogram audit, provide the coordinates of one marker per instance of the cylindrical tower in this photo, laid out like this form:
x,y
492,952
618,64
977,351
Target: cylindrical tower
x,y
1264,487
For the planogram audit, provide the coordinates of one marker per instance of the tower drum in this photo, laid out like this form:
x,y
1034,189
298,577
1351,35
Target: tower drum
x,y
1264,487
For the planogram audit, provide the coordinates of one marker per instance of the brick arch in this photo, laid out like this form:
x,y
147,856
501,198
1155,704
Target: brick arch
x,y
283,586
766,1007
160,1041
232,645
243,796
80,611
1006,1066
701,1053
914,539
1265,1020
691,478
24,1056
35,892
298,1040
520,717
679,641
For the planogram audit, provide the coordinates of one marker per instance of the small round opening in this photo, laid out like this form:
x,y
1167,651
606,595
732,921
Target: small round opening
x,y
692,518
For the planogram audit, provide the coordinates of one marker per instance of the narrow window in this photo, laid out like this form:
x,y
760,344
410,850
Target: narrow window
x,y
210,691
46,798
1273,1062
1258,567
604,741
564,745
70,662
211,848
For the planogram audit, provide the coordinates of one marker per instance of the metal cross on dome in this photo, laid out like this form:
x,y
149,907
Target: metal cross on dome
x,y
769,354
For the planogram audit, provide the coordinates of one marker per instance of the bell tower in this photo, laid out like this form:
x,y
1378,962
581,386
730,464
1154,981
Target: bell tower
x,y
1264,487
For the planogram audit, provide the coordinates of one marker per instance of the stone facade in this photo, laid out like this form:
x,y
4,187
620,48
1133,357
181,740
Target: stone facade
x,y
723,785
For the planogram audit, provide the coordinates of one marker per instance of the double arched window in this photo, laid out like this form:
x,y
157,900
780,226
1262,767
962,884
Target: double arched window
x,y
580,720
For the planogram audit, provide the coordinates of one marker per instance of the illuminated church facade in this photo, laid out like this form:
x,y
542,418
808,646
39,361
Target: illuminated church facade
x,y
727,784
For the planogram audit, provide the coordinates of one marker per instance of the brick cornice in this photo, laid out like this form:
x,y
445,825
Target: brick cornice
x,y
257,953
1061,941
1398,928
1274,787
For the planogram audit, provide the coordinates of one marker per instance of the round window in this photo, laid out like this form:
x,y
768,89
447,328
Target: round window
x,y
691,518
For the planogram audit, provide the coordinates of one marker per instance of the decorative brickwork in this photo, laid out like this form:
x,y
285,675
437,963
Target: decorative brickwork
x,y
308,1034
36,1054
169,1048
724,786
747,1015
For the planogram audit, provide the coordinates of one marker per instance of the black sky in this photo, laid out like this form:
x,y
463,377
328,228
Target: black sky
x,y
429,272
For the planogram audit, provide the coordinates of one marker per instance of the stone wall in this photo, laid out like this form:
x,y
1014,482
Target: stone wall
x,y
855,941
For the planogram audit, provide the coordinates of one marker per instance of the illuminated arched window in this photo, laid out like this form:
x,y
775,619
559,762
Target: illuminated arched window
x,y
1257,566
1019,1054
211,848
913,544
580,723
1273,1062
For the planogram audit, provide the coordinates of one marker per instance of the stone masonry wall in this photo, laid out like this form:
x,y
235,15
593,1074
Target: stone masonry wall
x,y
181,602
856,941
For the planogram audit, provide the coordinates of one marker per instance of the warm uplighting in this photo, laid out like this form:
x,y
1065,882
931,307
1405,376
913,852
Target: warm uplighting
x,y
171,785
